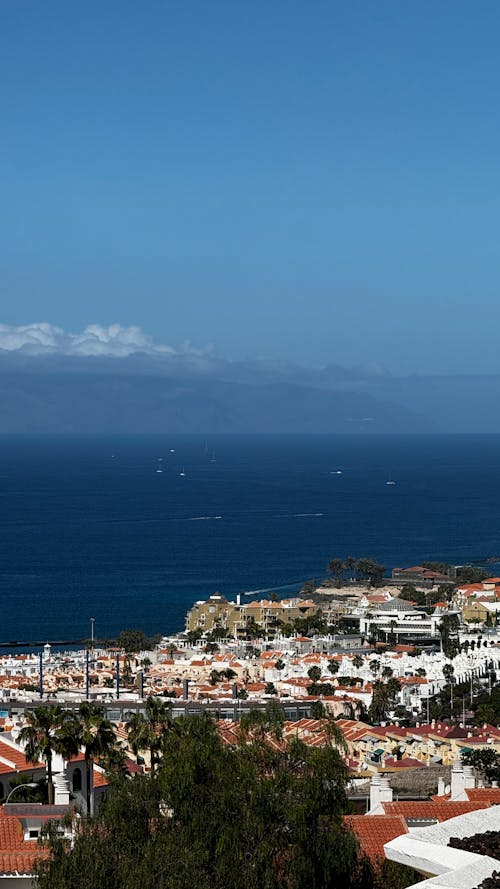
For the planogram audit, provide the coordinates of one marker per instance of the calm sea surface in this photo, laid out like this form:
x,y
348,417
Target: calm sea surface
x,y
89,528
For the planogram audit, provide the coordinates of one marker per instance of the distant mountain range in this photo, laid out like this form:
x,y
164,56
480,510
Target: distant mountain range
x,y
196,393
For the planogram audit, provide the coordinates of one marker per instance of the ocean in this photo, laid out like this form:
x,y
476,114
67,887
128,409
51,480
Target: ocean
x,y
90,528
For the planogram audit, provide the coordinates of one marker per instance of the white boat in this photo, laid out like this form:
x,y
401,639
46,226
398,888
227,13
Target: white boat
x,y
182,474
159,468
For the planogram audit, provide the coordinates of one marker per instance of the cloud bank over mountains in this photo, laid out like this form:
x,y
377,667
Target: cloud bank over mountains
x,y
119,379
114,341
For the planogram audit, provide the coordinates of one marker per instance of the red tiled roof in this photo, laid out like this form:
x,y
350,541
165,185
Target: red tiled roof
x,y
17,855
100,780
406,763
431,809
484,794
17,758
374,831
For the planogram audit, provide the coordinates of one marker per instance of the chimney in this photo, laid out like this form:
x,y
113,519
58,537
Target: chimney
x,y
185,689
375,807
385,792
457,782
440,791
469,780
61,790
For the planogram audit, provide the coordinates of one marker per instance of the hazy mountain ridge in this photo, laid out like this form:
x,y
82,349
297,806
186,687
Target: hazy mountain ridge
x,y
203,393
36,400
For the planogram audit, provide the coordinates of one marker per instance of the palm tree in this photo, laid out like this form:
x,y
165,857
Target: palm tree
x,y
314,673
146,732
333,667
357,661
43,735
93,732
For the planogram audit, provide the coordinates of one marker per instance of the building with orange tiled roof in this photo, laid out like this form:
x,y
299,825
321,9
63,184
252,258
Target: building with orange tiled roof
x,y
217,611
374,831
432,810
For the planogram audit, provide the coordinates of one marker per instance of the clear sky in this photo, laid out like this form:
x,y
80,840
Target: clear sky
x,y
312,181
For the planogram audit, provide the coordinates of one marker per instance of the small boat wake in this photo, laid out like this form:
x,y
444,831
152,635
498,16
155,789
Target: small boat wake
x,y
293,586
204,518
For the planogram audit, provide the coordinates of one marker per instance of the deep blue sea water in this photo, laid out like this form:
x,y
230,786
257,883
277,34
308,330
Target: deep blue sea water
x,y
88,528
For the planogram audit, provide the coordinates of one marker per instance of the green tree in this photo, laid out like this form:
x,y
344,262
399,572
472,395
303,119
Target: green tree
x,y
384,698
211,647
336,568
147,731
410,593
485,713
357,661
92,731
279,665
314,673
370,570
471,574
134,641
333,667
448,630
44,734
172,830
486,761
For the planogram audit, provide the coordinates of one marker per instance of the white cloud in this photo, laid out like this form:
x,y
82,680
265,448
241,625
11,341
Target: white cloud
x,y
115,341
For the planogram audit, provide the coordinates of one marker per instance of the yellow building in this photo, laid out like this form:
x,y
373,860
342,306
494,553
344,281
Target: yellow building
x,y
217,611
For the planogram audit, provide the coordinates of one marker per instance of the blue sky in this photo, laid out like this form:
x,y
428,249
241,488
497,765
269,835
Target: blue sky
x,y
308,181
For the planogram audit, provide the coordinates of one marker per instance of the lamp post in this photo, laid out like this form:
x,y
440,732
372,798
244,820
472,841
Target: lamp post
x,y
18,787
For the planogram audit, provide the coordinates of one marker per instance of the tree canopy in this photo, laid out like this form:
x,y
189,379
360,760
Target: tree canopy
x,y
258,815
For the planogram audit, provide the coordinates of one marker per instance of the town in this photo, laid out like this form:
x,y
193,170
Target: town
x,y
403,667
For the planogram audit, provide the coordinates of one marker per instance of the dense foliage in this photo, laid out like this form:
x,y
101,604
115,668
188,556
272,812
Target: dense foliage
x,y
218,817
367,570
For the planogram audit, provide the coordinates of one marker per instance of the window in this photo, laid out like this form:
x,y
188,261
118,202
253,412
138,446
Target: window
x,y
77,780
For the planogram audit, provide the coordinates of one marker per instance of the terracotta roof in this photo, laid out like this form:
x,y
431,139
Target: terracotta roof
x,y
484,794
17,855
15,756
406,763
99,779
439,811
373,831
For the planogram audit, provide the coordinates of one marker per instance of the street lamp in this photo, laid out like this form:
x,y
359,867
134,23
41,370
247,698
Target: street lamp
x,y
18,787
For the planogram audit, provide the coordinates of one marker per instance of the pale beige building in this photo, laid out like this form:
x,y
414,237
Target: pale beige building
x,y
238,618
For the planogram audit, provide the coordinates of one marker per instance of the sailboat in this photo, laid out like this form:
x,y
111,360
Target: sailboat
x,y
182,474
390,480
159,468
212,459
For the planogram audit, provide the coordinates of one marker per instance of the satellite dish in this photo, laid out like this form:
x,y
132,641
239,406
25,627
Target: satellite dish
x,y
447,789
